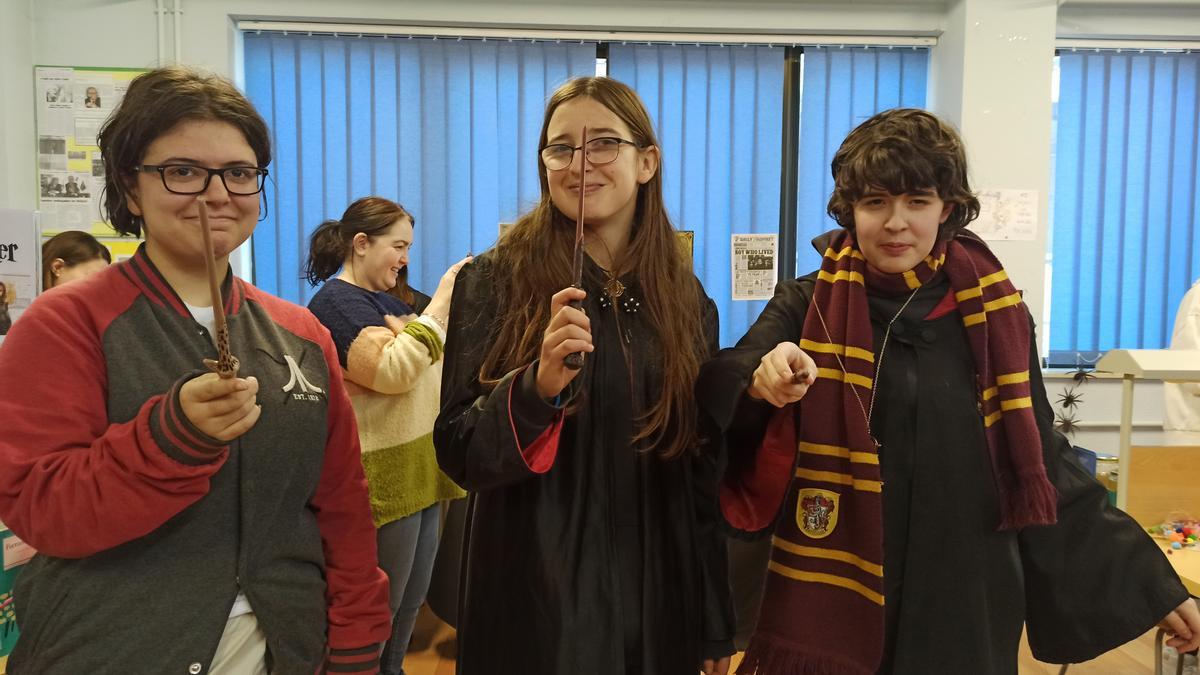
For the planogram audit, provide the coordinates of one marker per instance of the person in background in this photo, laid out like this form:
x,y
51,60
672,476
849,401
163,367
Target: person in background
x,y
184,522
72,256
886,421
91,98
1181,401
595,544
392,360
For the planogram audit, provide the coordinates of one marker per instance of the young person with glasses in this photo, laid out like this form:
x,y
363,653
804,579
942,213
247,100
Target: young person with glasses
x,y
886,421
594,545
185,522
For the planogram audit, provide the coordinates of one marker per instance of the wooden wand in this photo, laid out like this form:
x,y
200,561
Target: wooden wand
x,y
575,361
226,364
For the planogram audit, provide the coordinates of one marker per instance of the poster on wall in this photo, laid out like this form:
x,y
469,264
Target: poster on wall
x,y
20,259
1007,215
753,261
72,104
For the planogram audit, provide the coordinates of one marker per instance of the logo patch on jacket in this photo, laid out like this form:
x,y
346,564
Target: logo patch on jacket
x,y
298,387
817,512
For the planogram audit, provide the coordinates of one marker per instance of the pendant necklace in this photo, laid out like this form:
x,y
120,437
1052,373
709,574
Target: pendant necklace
x,y
867,410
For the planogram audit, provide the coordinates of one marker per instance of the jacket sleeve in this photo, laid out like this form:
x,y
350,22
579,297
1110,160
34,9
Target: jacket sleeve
x,y
488,436
71,483
1094,580
718,622
356,589
759,440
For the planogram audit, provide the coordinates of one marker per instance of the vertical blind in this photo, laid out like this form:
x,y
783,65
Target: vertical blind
x,y
1123,249
717,111
449,128
843,87
446,127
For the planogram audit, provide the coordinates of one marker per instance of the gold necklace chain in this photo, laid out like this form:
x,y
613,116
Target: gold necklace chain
x,y
612,285
867,411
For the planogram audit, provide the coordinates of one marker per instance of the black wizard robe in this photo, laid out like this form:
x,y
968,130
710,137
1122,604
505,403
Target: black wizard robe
x,y
596,556
958,592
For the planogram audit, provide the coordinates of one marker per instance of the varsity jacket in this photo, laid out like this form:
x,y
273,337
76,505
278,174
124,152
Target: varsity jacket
x,y
146,528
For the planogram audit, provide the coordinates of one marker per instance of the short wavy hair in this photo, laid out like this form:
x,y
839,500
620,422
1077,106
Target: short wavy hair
x,y
902,151
154,104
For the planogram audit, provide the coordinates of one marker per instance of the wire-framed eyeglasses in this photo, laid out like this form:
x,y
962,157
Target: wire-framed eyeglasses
x,y
599,151
189,179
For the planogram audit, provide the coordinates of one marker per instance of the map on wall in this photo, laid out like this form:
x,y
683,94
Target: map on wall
x,y
72,104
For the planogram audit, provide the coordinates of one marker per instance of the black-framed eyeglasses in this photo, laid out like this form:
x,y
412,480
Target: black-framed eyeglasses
x,y
599,151
189,179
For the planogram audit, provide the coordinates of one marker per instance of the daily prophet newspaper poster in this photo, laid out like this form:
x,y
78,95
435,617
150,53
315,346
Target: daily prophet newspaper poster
x,y
72,104
754,262
20,260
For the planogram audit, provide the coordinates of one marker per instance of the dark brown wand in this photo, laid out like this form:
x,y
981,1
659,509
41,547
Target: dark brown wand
x,y
226,364
575,361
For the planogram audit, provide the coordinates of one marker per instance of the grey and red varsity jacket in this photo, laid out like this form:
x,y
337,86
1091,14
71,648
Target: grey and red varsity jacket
x,y
145,527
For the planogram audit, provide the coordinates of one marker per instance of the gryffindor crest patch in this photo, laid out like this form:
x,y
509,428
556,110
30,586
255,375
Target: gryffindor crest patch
x,y
817,512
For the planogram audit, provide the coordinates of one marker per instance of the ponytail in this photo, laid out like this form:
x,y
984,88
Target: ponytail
x,y
327,251
330,244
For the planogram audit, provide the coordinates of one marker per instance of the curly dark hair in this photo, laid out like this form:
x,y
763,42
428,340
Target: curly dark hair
x,y
903,151
154,104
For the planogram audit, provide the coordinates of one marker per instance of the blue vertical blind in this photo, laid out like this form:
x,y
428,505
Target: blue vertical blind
x,y
446,127
842,88
717,111
1124,249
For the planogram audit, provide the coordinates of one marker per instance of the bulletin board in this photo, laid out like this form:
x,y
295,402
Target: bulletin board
x,y
72,103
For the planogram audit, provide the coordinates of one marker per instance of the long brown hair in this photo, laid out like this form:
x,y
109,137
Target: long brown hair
x,y
535,255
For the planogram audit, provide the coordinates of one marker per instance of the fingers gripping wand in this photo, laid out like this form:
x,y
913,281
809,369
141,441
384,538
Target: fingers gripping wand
x,y
226,364
575,361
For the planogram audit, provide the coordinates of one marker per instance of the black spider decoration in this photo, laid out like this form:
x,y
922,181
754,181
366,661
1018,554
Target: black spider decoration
x,y
1080,376
1070,399
1066,424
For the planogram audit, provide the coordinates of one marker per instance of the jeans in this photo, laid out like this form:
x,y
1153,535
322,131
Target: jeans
x,y
407,548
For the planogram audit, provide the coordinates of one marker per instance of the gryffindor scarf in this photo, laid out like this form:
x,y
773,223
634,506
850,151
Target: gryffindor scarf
x,y
822,611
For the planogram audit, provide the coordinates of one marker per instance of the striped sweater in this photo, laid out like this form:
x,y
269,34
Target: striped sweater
x,y
393,365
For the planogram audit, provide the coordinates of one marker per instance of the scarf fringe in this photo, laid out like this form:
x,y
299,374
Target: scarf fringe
x,y
771,656
1032,500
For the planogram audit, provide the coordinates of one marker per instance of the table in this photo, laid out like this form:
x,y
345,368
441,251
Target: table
x,y
1187,564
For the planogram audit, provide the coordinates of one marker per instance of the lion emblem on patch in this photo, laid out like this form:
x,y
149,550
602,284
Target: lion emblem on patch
x,y
817,512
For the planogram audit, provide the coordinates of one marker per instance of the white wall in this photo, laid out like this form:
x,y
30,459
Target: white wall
x,y
18,138
1137,20
990,73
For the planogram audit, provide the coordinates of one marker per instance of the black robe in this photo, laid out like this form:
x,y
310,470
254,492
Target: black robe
x,y
957,590
613,561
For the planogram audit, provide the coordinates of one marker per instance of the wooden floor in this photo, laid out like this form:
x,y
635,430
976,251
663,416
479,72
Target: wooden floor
x,y
432,653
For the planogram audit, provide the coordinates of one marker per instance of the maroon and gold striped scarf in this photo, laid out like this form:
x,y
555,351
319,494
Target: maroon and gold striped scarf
x,y
822,611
